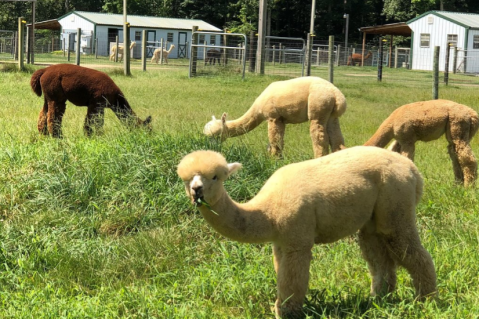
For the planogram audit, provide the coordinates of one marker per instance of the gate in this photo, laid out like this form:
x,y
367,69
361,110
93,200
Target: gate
x,y
284,55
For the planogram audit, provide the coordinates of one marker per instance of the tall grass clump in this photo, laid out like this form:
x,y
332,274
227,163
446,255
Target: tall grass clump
x,y
101,227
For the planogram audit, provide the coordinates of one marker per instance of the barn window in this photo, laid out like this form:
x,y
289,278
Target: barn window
x,y
202,38
452,39
169,37
213,39
137,35
475,42
425,39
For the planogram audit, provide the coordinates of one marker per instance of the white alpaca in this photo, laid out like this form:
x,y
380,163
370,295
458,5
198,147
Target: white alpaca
x,y
157,54
120,51
290,102
318,201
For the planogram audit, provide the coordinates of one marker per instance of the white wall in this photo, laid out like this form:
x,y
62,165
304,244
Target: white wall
x,y
423,57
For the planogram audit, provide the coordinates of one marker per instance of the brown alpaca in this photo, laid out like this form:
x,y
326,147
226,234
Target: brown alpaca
x,y
120,51
358,58
427,121
82,87
321,201
213,55
291,102
158,52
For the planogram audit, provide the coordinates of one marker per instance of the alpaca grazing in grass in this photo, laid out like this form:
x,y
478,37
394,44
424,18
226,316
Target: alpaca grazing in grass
x,y
320,201
120,51
82,87
358,58
158,53
290,102
427,121
213,55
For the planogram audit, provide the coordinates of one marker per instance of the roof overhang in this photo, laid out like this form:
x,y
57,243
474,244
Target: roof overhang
x,y
400,28
48,25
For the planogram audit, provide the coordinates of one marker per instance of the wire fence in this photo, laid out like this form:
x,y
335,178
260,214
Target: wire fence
x,y
235,55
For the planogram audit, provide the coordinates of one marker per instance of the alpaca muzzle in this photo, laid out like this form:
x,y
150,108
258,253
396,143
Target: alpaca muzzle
x,y
197,195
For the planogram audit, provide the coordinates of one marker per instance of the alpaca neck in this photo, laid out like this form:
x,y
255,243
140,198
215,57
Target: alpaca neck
x,y
244,124
383,135
239,222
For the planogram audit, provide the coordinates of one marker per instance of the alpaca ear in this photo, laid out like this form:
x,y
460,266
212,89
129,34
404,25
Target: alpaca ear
x,y
213,118
223,118
233,168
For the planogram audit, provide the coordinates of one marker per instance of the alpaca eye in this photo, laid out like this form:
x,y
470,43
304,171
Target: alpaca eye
x,y
215,178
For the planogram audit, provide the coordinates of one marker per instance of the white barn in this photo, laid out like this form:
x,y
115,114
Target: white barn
x,y
105,27
438,28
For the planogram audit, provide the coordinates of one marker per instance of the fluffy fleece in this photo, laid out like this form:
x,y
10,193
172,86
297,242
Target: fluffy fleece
x,y
82,87
290,102
158,53
306,203
427,121
120,51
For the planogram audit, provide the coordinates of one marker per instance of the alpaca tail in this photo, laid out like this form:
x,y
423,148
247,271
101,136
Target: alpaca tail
x,y
474,125
341,104
35,81
382,136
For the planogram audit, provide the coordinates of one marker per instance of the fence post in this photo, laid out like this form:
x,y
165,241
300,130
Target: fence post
x,y
96,48
28,44
21,43
454,61
194,50
380,60
446,66
161,52
338,54
396,57
77,59
143,50
116,51
435,71
126,49
309,50
280,53
330,58
252,58
274,55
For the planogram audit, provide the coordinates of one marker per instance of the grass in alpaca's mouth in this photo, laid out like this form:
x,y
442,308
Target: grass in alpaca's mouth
x,y
200,201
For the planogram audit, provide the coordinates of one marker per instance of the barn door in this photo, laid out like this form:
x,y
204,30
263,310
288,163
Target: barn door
x,y
150,42
182,47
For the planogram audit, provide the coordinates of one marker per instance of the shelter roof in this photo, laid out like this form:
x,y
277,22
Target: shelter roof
x,y
48,24
400,28
144,21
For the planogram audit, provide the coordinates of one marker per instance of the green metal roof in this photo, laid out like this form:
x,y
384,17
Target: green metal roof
x,y
468,20
144,21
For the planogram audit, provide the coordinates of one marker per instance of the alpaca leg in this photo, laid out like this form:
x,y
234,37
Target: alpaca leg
x,y
336,139
293,277
55,113
381,266
395,147
463,161
276,128
94,120
319,137
405,248
276,257
408,149
42,119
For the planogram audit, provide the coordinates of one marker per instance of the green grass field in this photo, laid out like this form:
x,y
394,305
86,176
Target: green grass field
x,y
101,227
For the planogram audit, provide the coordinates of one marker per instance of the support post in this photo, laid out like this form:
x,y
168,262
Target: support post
x,y
252,58
117,46
380,60
435,74
96,48
330,58
396,57
309,50
263,7
454,61
161,52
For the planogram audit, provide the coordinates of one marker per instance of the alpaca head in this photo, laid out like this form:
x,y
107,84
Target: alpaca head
x,y
203,173
132,44
216,128
171,48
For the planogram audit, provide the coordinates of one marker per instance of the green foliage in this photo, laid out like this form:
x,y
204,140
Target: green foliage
x,y
101,228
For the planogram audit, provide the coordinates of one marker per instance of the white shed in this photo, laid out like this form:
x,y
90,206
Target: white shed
x,y
438,28
105,27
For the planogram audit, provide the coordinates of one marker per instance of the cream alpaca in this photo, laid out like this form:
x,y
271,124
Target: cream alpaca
x,y
291,102
306,203
158,52
120,51
427,121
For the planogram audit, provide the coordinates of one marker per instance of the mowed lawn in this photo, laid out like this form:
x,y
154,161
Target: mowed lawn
x,y
101,227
